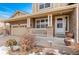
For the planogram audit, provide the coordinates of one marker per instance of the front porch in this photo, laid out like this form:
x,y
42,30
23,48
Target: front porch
x,y
54,23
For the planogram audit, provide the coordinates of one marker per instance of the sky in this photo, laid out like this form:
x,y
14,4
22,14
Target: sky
x,y
8,9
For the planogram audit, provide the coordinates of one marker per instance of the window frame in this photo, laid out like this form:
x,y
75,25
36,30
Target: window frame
x,y
45,23
44,4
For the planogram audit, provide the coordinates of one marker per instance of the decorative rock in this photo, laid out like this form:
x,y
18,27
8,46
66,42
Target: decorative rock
x,y
16,48
50,51
4,50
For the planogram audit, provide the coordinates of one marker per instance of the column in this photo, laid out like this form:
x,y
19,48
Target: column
x,y
49,20
50,28
28,22
4,29
29,31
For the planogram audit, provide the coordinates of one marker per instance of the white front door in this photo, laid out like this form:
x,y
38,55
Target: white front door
x,y
60,24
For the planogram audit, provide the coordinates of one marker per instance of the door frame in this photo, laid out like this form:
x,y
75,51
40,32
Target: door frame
x,y
63,16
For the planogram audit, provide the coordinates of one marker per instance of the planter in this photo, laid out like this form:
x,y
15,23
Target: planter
x,y
70,34
69,41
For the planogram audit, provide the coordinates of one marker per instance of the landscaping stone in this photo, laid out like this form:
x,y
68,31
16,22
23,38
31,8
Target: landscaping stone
x,y
4,50
15,48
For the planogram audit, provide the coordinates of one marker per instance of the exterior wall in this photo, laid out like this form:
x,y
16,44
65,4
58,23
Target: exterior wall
x,y
72,23
20,30
35,6
78,22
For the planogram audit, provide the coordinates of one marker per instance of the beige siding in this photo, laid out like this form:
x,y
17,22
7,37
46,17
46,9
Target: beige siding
x,y
35,6
59,5
18,30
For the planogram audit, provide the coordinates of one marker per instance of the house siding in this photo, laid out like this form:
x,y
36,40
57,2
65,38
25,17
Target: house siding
x,y
35,6
18,30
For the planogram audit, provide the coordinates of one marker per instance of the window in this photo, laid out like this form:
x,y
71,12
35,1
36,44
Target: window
x,y
38,26
41,6
71,3
47,5
42,23
44,5
14,26
59,25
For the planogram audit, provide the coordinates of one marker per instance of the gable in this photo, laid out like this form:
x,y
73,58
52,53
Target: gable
x,y
18,13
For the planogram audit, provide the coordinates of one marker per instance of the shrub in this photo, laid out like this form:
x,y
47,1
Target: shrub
x,y
11,43
27,43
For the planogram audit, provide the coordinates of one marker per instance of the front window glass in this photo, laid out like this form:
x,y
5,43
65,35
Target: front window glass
x,y
41,6
44,5
59,25
43,23
47,5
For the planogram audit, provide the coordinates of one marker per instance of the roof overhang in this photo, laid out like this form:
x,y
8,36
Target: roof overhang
x,y
58,10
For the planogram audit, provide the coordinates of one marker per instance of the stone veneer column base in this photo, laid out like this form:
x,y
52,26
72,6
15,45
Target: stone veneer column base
x,y
50,32
29,30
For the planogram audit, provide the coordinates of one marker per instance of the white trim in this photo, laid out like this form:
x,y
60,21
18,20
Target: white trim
x,y
50,20
40,20
28,22
77,22
44,7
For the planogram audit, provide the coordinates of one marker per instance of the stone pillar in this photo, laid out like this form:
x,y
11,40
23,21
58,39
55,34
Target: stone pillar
x,y
50,28
50,32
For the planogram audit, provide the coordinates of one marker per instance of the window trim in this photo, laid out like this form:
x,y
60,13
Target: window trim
x,y
44,6
40,22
